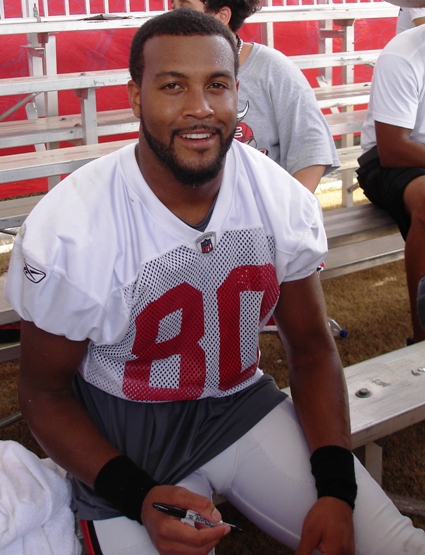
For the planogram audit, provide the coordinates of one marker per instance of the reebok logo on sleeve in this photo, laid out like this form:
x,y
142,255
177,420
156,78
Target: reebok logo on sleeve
x,y
33,274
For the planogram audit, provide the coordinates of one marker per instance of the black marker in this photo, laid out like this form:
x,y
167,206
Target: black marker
x,y
188,514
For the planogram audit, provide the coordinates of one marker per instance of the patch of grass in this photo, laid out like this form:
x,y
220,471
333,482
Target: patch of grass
x,y
4,261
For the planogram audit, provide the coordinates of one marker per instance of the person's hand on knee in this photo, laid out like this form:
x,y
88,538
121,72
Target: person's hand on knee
x,y
328,527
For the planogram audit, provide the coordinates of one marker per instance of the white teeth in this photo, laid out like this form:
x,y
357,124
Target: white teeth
x,y
197,136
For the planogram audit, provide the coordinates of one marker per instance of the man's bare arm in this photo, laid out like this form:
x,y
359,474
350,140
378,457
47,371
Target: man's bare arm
x,y
58,421
310,177
315,371
396,149
319,393
419,21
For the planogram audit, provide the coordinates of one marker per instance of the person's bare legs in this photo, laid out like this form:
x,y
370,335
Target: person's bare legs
x,y
414,254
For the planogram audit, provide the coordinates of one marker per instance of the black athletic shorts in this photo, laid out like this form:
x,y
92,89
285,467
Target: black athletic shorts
x,y
385,188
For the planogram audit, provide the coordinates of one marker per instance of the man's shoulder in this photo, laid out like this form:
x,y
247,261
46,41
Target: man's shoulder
x,y
250,157
408,44
263,174
82,194
270,70
265,55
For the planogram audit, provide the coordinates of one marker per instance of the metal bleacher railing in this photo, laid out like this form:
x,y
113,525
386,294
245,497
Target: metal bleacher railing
x,y
40,8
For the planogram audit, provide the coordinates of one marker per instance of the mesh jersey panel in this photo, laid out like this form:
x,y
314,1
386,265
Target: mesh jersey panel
x,y
186,339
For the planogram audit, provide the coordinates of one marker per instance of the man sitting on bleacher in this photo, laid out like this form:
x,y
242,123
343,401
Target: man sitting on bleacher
x,y
392,167
142,281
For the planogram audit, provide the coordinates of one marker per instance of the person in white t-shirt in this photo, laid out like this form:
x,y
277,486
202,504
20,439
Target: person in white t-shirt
x,y
142,281
408,18
392,168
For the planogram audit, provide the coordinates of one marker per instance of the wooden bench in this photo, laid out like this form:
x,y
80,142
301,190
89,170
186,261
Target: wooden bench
x,y
386,394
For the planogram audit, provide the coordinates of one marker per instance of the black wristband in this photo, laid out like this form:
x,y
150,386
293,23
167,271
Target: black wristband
x,y
333,468
125,485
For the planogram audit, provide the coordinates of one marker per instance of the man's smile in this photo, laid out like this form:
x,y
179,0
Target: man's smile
x,y
196,135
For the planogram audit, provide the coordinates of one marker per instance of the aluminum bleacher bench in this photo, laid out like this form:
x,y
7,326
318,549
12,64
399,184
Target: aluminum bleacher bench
x,y
67,128
345,123
117,122
12,350
32,165
360,237
335,59
336,96
89,124
386,394
14,211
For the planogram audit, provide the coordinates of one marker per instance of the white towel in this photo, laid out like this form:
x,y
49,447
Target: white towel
x,y
35,513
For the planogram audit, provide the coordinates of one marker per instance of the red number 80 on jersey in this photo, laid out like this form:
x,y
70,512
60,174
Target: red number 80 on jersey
x,y
188,345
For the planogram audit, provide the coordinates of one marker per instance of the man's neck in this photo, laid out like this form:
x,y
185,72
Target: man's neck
x,y
190,203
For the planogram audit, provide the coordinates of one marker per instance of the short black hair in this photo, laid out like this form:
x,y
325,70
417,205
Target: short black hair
x,y
241,9
183,22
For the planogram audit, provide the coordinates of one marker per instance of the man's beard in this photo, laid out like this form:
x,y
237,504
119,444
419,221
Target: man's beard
x,y
186,175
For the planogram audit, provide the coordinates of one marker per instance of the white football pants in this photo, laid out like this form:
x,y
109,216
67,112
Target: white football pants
x,y
266,475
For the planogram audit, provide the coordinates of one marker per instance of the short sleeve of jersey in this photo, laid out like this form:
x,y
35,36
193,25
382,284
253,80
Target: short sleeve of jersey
x,y
310,246
395,91
55,277
290,215
46,301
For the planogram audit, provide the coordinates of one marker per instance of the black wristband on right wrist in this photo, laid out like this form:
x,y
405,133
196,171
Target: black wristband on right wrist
x,y
125,485
333,468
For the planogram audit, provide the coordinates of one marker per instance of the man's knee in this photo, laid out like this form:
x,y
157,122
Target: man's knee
x,y
414,199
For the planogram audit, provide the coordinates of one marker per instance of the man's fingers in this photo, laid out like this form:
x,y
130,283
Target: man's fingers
x,y
184,539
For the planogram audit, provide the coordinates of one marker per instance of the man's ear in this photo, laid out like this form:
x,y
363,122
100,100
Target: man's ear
x,y
224,14
133,90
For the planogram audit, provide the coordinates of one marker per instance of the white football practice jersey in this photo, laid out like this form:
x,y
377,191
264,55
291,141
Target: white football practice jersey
x,y
172,313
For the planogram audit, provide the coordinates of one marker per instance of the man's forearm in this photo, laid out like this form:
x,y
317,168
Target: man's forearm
x,y
319,392
66,433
